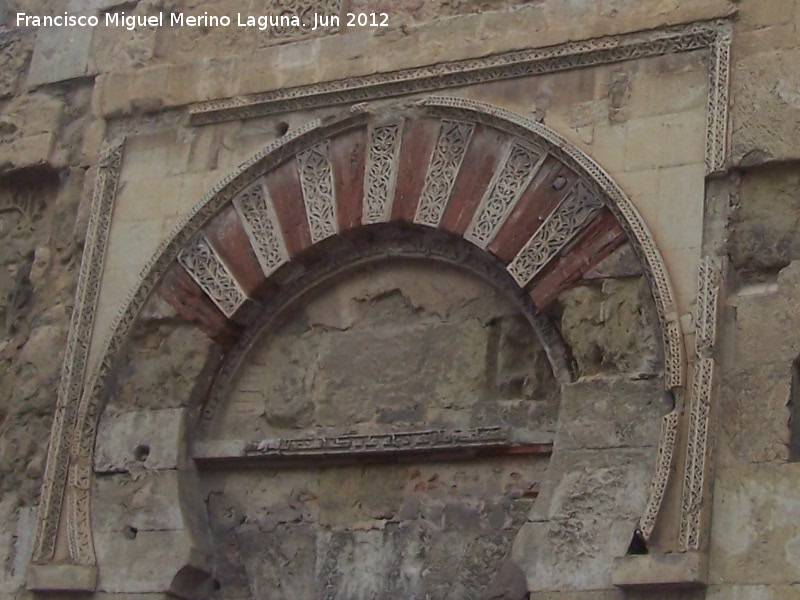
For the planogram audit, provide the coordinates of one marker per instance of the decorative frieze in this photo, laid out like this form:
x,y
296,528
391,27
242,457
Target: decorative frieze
x,y
258,217
569,218
518,170
658,486
313,451
76,354
451,146
696,474
316,179
381,172
707,307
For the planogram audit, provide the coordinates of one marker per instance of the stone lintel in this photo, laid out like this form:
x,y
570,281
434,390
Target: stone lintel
x,y
62,578
661,571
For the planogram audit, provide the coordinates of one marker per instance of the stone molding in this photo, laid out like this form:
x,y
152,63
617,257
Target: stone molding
x,y
666,448
714,36
327,449
77,351
72,446
694,510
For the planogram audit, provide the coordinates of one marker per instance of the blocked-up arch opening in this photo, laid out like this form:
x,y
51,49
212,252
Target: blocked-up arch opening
x,y
514,195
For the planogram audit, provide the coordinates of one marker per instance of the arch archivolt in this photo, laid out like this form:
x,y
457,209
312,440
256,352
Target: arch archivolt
x,y
511,190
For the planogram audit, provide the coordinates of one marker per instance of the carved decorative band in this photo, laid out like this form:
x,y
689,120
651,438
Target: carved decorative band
x,y
258,217
696,455
518,170
508,65
718,99
206,267
696,476
707,307
316,179
570,217
418,440
77,351
451,146
381,172
314,451
666,448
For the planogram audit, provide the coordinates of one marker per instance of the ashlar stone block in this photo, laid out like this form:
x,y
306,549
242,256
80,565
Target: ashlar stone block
x,y
611,412
145,502
583,519
60,54
754,537
146,439
145,562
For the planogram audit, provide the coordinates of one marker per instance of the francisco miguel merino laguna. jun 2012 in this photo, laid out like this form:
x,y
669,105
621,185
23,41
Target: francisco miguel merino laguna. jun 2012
x,y
131,22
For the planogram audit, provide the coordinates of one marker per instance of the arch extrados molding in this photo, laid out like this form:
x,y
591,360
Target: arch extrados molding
x,y
92,401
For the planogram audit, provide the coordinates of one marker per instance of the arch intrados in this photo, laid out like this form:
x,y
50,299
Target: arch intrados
x,y
613,198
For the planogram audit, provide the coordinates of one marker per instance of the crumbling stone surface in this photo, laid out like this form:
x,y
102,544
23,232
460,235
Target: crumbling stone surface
x,y
160,366
764,233
377,353
438,530
15,51
612,327
40,250
584,519
761,105
766,438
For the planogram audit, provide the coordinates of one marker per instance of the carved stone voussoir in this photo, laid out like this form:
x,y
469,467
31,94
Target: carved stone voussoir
x,y
569,217
381,172
205,266
445,164
316,179
258,216
518,170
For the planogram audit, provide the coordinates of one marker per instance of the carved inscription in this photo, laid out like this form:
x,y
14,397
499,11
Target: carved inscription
x,y
314,451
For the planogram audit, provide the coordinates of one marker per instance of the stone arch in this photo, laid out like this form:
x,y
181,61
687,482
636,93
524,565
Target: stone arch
x,y
526,206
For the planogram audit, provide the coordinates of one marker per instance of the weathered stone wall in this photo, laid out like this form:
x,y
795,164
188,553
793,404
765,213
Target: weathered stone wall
x,y
63,92
398,347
